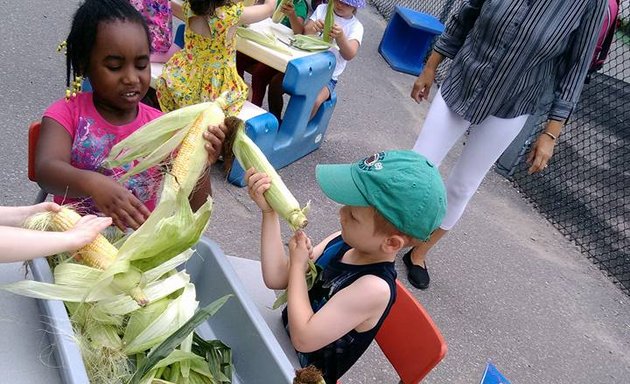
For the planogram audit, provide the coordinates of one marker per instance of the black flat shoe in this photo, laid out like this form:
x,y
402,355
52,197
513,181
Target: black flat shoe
x,y
418,276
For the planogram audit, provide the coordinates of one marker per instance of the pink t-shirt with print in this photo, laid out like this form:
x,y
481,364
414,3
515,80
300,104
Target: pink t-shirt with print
x,y
92,140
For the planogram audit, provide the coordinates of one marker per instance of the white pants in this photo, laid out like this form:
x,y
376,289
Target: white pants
x,y
485,143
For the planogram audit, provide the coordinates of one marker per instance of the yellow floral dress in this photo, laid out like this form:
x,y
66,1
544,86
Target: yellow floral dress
x,y
206,66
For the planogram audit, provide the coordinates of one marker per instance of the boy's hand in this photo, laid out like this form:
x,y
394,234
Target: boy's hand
x,y
86,230
214,136
300,249
115,201
257,184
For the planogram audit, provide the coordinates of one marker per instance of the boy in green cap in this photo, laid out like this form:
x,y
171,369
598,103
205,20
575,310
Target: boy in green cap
x,y
390,200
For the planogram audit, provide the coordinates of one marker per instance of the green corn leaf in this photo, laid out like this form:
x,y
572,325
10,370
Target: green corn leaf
x,y
175,339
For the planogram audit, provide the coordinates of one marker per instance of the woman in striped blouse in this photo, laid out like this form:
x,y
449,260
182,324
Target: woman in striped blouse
x,y
506,56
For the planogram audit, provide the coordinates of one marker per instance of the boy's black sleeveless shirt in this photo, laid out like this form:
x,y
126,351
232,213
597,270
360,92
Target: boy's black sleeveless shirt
x,y
337,357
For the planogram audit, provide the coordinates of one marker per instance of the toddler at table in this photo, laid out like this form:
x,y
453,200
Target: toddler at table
x,y
347,33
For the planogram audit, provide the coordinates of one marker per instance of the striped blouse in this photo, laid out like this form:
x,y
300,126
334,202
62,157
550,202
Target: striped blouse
x,y
508,53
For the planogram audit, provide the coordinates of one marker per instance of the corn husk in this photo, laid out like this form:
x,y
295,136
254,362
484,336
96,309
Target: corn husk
x,y
278,195
310,43
278,15
329,21
266,39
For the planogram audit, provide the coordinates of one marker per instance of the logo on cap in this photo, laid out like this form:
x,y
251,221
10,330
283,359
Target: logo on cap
x,y
372,162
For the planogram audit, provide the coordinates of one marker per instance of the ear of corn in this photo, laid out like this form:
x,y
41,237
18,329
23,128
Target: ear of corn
x,y
100,253
278,195
267,39
329,21
278,15
309,43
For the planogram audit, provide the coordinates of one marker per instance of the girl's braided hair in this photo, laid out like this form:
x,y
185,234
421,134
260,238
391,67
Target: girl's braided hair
x,y
206,7
85,23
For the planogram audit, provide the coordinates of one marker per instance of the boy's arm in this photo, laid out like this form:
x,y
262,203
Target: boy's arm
x,y
363,301
273,259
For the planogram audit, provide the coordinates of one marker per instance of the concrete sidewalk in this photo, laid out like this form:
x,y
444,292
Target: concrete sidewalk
x,y
506,286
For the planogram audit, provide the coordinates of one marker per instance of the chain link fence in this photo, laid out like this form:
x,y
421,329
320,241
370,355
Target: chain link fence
x,y
585,192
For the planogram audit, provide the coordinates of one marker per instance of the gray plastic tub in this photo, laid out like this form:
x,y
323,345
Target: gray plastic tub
x,y
257,355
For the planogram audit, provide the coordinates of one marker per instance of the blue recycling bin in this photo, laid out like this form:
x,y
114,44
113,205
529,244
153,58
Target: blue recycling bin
x,y
407,39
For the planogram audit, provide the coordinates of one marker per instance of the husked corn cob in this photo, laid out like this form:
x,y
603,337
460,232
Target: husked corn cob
x,y
191,157
100,253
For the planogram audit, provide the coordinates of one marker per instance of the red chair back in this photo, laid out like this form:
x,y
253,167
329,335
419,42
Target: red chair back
x,y
410,339
33,136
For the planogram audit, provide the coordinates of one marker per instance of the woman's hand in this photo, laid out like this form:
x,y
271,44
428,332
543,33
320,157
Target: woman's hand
x,y
215,136
300,249
422,85
115,201
257,184
542,150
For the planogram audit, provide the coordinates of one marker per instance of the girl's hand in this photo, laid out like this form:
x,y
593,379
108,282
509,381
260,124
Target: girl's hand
x,y
422,85
336,32
541,152
214,136
257,184
300,249
86,230
115,201
318,26
288,8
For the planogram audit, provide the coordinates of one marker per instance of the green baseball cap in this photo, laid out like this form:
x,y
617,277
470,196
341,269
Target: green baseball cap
x,y
402,185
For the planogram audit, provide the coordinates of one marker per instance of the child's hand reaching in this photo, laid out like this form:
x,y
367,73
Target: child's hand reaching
x,y
115,201
86,230
257,184
215,135
288,8
40,208
300,249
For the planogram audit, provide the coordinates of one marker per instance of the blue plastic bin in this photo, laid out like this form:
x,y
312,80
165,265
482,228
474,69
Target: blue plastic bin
x,y
407,39
256,353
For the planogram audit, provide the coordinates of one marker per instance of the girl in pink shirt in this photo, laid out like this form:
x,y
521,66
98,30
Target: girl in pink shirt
x,y
108,44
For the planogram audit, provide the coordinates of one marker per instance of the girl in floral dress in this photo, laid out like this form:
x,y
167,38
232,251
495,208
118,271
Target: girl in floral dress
x,y
206,66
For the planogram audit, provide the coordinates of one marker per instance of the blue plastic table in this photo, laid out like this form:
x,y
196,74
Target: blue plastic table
x,y
305,74
407,39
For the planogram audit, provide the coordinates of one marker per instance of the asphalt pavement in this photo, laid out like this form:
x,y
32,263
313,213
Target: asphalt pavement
x,y
506,286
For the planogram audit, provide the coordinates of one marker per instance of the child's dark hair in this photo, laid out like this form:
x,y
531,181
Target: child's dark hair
x,y
85,23
206,7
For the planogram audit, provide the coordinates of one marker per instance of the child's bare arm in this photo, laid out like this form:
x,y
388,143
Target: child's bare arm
x,y
359,305
273,259
56,175
19,244
15,216
348,48
255,13
214,137
297,22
